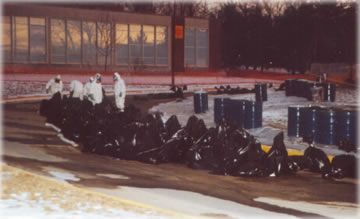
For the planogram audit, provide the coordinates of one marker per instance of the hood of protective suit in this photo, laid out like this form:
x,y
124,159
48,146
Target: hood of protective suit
x,y
116,76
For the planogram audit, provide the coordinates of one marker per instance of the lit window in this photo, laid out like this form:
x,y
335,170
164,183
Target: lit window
x,y
89,43
104,43
37,40
196,47
122,44
6,38
58,46
161,45
73,42
21,39
149,44
135,42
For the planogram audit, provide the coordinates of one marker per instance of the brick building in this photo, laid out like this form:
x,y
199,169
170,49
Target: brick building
x,y
57,39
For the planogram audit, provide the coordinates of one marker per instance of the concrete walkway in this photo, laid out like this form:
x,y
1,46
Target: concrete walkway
x,y
160,80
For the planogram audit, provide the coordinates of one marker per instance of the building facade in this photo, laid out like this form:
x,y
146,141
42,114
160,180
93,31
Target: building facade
x,y
45,38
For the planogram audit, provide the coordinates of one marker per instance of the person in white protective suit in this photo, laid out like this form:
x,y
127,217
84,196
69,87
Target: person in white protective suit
x,y
119,91
87,87
96,93
76,89
54,85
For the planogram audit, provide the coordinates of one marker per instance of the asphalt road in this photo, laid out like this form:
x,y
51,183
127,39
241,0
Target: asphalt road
x,y
29,145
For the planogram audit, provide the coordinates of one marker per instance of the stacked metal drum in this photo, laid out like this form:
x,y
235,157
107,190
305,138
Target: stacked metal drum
x,y
302,88
200,102
244,113
326,125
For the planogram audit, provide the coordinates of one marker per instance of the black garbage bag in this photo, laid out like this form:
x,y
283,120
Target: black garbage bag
x,y
127,139
275,160
223,129
71,119
316,160
201,154
175,149
44,108
55,109
295,163
131,114
342,166
195,127
249,159
234,149
172,125
346,145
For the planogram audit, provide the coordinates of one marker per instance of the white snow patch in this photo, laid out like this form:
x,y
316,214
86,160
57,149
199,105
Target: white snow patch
x,y
190,203
113,176
327,209
62,176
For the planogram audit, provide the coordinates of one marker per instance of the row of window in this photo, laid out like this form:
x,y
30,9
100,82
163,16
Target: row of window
x,y
25,39
36,40
196,47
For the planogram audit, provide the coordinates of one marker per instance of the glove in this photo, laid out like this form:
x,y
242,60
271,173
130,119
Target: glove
x,y
120,95
91,96
47,91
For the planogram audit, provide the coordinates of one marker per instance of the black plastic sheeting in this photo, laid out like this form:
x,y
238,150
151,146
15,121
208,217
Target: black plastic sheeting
x,y
224,149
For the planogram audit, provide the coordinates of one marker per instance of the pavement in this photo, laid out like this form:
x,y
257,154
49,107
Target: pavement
x,y
161,79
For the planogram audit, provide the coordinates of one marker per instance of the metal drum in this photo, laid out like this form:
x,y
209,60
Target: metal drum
x,y
302,88
260,92
309,123
295,118
200,102
309,94
327,126
289,87
237,112
329,91
221,109
346,124
253,114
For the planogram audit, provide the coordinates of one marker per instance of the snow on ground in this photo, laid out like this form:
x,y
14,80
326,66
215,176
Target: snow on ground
x,y
12,89
22,207
25,195
191,203
327,209
275,113
62,176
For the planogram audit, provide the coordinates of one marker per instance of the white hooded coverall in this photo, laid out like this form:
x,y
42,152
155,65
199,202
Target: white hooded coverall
x,y
95,92
77,88
119,91
54,87
87,87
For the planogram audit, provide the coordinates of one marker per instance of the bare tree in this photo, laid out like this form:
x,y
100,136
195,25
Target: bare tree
x,y
104,42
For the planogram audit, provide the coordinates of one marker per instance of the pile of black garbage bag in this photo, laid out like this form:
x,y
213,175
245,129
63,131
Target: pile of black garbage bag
x,y
176,92
224,149
230,90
